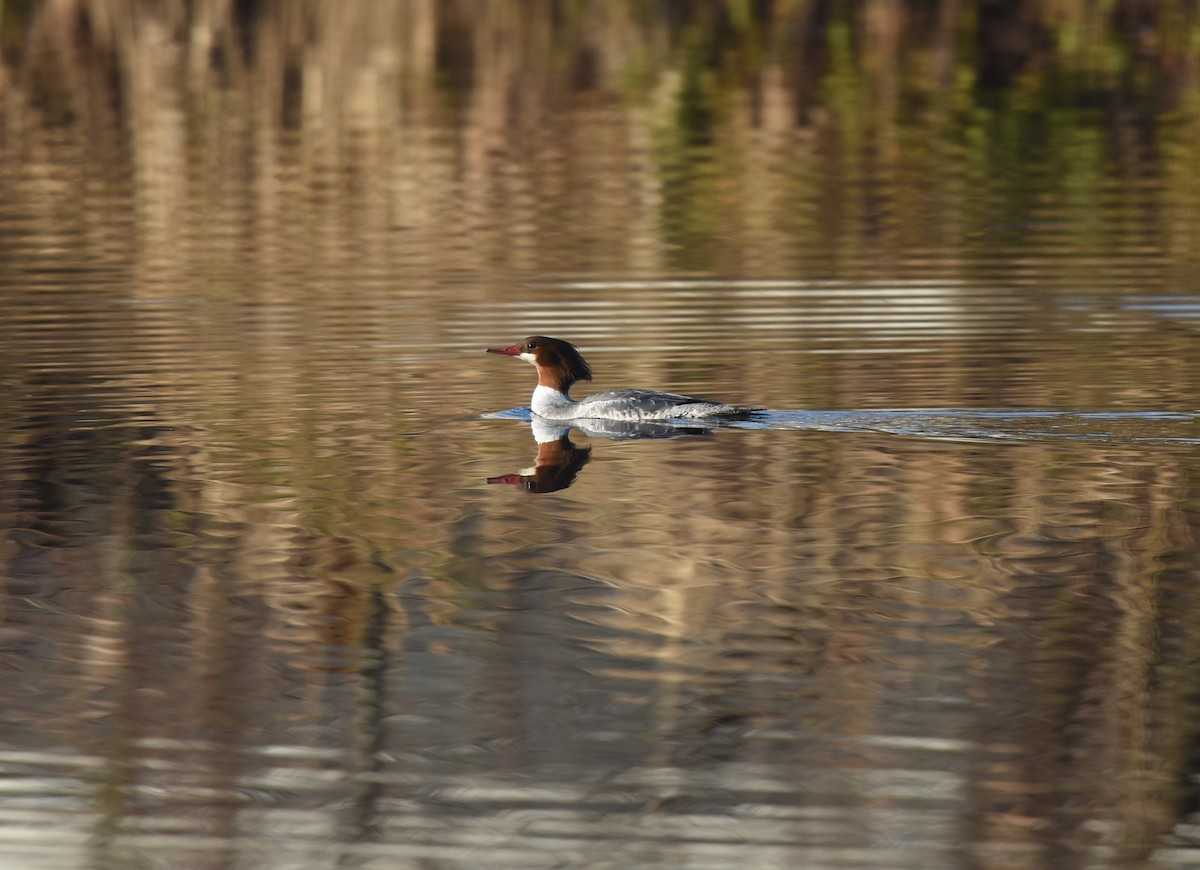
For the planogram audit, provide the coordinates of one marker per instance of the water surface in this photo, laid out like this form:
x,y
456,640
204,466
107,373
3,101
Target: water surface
x,y
261,606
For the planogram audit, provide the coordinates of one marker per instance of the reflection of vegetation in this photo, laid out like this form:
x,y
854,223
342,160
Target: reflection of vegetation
x,y
177,153
864,128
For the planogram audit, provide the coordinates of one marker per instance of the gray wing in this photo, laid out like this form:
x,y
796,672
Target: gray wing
x,y
652,405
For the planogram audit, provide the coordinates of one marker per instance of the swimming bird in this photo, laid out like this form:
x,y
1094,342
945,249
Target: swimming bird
x,y
560,364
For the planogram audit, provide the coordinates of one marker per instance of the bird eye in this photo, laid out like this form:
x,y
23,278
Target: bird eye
x,y
530,485
529,345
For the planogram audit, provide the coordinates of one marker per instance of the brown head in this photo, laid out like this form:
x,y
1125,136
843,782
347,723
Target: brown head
x,y
559,364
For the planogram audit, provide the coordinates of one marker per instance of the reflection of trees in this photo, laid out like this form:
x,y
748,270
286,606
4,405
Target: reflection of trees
x,y
188,146
829,588
754,136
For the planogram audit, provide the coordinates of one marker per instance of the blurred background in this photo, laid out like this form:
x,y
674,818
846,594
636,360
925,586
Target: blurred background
x,y
259,606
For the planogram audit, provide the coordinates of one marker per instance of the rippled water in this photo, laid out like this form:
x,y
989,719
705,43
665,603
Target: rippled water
x,y
291,579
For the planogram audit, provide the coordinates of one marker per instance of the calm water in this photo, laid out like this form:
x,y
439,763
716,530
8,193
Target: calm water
x,y
937,607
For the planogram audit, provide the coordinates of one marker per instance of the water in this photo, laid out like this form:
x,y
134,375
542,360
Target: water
x,y
289,582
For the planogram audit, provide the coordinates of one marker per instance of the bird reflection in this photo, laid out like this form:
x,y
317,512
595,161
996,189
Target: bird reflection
x,y
559,459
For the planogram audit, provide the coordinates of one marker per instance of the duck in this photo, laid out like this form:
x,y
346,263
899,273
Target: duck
x,y
560,365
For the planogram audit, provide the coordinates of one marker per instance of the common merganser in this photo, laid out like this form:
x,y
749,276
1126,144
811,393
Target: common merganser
x,y
560,365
